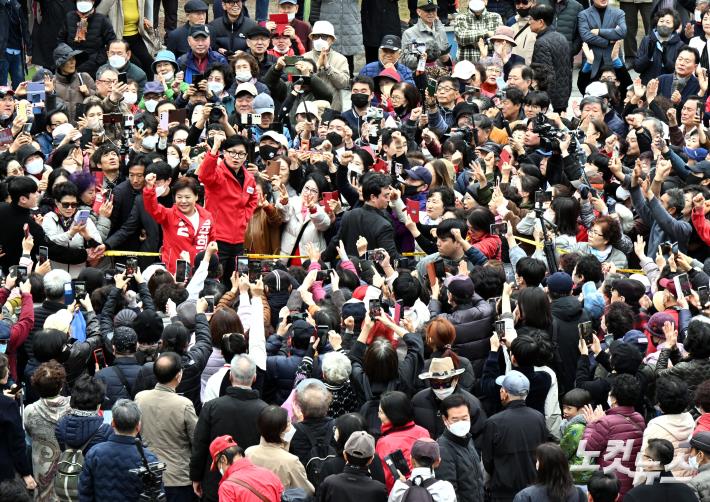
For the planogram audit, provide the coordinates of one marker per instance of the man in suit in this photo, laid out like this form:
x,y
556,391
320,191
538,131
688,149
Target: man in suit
x,y
683,82
601,26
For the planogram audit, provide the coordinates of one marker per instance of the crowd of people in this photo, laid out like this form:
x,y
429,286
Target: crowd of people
x,y
238,265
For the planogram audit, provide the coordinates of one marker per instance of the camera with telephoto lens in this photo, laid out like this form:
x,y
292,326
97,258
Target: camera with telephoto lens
x,y
151,476
462,133
216,114
550,136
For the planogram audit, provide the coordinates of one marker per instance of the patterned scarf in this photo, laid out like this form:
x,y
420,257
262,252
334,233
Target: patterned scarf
x,y
82,26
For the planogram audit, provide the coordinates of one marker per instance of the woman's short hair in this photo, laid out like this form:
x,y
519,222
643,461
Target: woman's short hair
x,y
271,423
397,407
336,367
87,393
48,380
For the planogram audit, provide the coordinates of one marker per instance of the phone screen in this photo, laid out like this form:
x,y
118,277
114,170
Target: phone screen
x,y
242,265
100,358
210,304
585,332
682,285
181,271
397,458
79,290
131,266
43,254
375,309
704,295
499,228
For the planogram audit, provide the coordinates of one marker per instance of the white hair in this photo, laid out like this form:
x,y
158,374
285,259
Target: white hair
x,y
54,282
336,367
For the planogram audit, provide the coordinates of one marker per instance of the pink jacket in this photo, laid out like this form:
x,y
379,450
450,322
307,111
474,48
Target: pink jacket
x,y
398,438
621,423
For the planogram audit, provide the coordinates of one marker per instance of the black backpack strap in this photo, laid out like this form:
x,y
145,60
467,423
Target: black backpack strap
x,y
305,430
122,377
298,241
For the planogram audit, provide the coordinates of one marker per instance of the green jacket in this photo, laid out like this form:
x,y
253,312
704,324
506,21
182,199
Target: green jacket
x,y
572,432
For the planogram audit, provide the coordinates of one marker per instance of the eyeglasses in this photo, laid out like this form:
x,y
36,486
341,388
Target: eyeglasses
x,y
592,231
320,37
107,81
236,155
67,205
445,89
311,190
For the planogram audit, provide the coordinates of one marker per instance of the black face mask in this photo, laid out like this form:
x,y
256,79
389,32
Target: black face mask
x,y
410,190
335,139
523,12
359,100
267,152
400,110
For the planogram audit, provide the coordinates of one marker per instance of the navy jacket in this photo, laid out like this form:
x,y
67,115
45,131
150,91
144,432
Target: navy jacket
x,y
176,40
106,475
373,69
73,431
13,452
665,87
115,389
186,63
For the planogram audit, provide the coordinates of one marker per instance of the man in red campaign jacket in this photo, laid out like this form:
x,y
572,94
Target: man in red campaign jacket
x,y
230,196
186,226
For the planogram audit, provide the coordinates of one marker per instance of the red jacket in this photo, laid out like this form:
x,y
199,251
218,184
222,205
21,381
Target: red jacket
x,y
231,204
398,438
702,225
20,330
262,480
621,423
178,233
489,245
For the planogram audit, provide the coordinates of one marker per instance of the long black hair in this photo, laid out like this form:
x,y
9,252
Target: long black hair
x,y
553,471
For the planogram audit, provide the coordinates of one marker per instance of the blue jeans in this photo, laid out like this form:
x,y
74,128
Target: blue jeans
x,y
12,64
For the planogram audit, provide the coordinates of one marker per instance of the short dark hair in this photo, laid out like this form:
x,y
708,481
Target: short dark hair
x,y
626,389
175,337
185,182
619,319
167,367
697,339
577,398
4,366
66,189
361,79
234,140
537,98
21,186
513,94
672,395
161,169
373,183
687,48
87,393
481,219
525,349
531,270
271,423
398,408
702,396
102,150
661,450
444,228
453,401
590,268
544,13
603,486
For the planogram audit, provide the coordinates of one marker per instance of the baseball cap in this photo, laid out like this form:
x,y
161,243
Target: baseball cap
x,y
702,167
247,87
276,136
288,1
460,286
199,30
597,89
153,87
218,445
196,6
463,70
263,103
427,5
419,173
392,42
560,283
426,448
360,445
124,339
6,91
700,441
667,284
258,31
514,383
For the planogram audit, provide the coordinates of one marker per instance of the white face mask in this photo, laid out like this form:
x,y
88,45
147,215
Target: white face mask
x,y
609,402
173,161
442,394
117,61
35,166
693,462
288,435
149,142
320,45
151,104
169,76
160,190
62,130
291,16
698,16
215,87
130,98
460,429
243,76
84,7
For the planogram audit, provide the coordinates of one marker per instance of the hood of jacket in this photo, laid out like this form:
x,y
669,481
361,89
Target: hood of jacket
x,y
75,430
52,409
679,426
567,308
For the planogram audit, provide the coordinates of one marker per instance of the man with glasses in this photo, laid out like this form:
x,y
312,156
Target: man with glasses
x,y
440,107
230,196
389,54
110,90
119,59
228,32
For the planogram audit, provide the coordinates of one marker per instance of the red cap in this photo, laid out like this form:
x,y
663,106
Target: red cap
x,y
217,446
360,292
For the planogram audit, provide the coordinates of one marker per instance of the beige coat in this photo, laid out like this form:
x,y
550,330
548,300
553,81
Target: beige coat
x,y
167,427
282,463
336,72
525,41
114,10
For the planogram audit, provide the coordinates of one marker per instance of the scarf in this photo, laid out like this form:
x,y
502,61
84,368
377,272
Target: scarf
x,y
82,27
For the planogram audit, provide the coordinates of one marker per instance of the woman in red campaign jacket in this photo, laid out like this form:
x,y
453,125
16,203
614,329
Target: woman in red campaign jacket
x,y
186,226
230,195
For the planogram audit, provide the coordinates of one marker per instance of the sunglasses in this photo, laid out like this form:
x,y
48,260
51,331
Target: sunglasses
x,y
440,384
67,205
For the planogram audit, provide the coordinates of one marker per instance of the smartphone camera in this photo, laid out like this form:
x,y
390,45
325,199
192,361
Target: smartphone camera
x,y
210,304
375,309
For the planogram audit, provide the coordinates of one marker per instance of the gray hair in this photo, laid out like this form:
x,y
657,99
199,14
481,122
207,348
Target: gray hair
x,y
243,370
655,123
54,282
104,71
593,100
126,416
676,199
336,367
313,398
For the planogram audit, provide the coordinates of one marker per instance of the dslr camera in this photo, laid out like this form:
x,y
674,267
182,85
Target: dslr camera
x,y
550,136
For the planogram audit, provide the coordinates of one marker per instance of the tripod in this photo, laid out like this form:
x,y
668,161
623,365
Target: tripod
x,y
548,244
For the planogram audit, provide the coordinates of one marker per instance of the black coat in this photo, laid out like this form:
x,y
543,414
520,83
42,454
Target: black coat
x,y
651,62
461,466
235,414
11,14
567,313
176,40
660,491
115,389
379,18
124,198
14,218
353,485
230,36
13,451
44,34
552,50
508,448
193,363
321,428
426,412
369,222
99,34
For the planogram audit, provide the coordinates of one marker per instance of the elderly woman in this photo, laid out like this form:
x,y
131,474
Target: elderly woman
x,y
70,84
41,418
272,451
86,188
603,235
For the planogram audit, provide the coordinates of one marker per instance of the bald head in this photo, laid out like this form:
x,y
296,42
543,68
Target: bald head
x,y
167,368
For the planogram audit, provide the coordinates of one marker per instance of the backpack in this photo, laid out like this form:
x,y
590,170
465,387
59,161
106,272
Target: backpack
x,y
69,466
319,452
418,490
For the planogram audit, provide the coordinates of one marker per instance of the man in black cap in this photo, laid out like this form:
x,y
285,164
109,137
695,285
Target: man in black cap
x,y
176,40
258,40
388,55
699,457
121,375
200,56
427,35
229,31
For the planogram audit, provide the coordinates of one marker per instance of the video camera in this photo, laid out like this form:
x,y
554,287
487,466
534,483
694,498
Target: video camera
x,y
550,136
151,475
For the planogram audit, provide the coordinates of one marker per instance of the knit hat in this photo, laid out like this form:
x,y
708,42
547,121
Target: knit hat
x,y
302,329
148,326
560,283
124,339
356,310
656,322
125,317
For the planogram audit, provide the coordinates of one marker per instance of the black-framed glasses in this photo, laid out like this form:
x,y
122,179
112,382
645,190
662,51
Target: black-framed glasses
x,y
67,205
235,154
